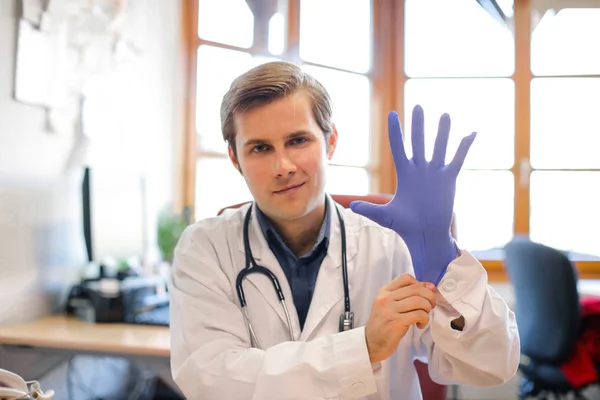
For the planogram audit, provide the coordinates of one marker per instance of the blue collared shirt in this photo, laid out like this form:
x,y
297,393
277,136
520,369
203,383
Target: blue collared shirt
x,y
301,272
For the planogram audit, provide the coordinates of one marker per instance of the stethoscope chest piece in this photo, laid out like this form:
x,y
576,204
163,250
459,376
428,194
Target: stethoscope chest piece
x,y
346,321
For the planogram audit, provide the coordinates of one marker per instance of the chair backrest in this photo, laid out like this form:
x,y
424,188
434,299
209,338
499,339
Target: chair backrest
x,y
547,302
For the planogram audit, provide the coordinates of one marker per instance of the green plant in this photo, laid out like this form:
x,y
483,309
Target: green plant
x,y
170,228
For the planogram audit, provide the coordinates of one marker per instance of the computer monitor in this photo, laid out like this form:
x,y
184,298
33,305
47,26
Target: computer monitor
x,y
114,214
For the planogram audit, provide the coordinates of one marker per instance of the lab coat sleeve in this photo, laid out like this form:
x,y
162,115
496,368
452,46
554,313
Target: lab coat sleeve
x,y
486,352
212,357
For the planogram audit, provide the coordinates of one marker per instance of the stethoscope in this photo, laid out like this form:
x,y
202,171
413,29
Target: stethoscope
x,y
346,319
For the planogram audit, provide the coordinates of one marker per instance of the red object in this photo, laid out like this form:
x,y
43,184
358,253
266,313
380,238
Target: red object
x,y
429,389
580,369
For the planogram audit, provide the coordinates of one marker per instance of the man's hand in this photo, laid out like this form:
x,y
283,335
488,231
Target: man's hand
x,y
399,304
421,210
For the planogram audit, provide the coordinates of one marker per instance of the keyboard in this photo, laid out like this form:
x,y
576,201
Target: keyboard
x,y
157,316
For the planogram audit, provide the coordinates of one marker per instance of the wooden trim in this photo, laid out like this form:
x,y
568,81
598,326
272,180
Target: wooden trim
x,y
203,42
190,36
495,270
338,69
292,50
566,169
594,76
588,269
388,42
379,99
522,79
399,23
211,154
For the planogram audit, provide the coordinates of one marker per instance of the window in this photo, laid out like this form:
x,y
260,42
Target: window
x,y
565,138
542,178
455,38
523,76
268,30
459,61
565,42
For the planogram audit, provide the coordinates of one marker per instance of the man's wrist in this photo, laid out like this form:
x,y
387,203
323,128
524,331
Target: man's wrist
x,y
431,253
444,245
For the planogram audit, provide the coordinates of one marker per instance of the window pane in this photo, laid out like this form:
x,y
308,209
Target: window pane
x,y
564,128
217,68
217,17
567,42
218,185
276,34
484,209
351,97
565,210
486,106
336,33
455,38
348,180
507,7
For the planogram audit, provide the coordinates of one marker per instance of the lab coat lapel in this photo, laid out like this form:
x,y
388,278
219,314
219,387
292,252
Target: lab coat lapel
x,y
265,258
329,289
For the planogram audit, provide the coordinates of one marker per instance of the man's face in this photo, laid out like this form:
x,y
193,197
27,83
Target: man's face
x,y
283,156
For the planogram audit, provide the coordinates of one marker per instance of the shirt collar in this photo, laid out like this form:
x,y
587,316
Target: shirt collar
x,y
269,231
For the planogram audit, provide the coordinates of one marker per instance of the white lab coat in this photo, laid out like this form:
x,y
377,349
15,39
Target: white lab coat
x,y
213,358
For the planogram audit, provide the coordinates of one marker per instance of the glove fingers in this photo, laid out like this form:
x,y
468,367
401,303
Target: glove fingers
x,y
418,135
396,140
441,142
461,153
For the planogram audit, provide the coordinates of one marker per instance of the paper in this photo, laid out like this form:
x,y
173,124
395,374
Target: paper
x,y
33,10
34,67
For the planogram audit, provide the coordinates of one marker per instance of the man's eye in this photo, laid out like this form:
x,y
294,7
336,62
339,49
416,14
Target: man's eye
x,y
259,148
299,140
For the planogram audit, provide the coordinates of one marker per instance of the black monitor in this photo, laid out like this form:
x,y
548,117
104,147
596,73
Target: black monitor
x,y
114,214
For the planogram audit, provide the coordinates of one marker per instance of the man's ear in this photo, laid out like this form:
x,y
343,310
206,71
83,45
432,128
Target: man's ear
x,y
332,142
233,159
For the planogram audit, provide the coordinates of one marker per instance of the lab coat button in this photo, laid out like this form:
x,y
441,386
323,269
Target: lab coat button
x,y
357,387
449,285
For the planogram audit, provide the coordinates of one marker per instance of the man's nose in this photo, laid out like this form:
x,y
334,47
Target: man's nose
x,y
284,165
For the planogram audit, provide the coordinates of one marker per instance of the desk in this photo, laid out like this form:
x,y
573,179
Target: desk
x,y
65,336
69,333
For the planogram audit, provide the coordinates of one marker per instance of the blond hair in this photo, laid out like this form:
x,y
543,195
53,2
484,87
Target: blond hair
x,y
266,83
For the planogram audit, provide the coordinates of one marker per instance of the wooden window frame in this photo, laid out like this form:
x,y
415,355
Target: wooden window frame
x,y
380,168
388,78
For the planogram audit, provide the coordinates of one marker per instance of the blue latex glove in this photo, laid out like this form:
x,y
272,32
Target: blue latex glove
x,y
421,210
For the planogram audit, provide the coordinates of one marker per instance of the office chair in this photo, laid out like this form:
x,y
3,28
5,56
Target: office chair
x,y
430,389
548,315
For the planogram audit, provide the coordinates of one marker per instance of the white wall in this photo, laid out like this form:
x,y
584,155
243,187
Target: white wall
x,y
38,210
40,227
41,241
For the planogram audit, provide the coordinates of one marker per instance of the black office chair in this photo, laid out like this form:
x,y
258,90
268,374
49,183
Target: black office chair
x,y
548,315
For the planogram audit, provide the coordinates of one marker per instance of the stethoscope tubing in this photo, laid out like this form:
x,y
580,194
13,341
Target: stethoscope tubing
x,y
251,267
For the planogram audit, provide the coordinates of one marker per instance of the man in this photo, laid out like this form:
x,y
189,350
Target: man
x,y
229,343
